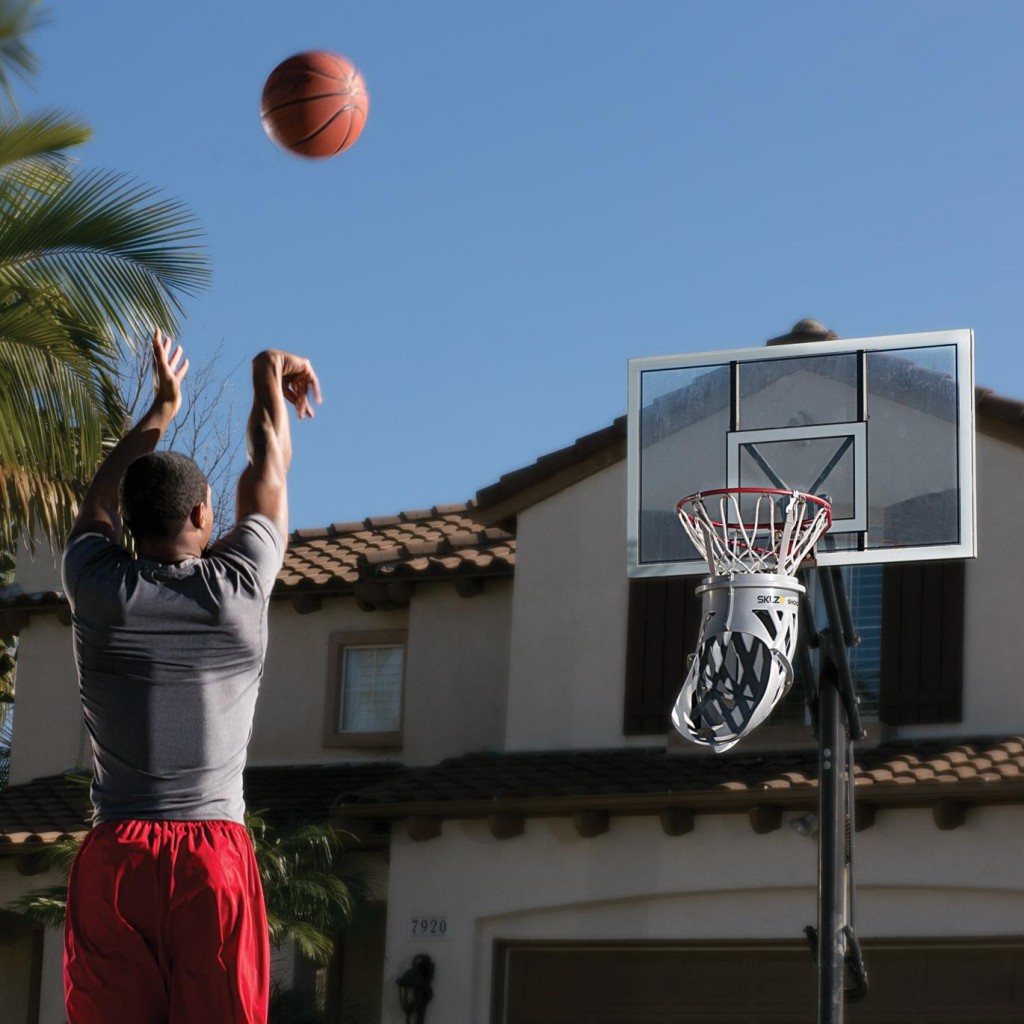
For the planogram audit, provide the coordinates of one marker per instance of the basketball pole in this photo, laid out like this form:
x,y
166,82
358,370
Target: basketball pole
x,y
838,724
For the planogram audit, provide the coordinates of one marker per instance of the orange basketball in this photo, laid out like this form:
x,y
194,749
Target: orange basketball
x,y
314,104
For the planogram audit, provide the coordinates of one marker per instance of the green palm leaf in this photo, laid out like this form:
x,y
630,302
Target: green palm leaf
x,y
89,262
41,137
17,19
118,254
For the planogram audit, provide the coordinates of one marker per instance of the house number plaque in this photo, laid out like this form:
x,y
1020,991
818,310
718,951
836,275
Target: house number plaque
x,y
428,926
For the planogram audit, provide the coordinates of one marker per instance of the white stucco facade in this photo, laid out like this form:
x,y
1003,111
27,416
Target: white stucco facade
x,y
569,619
719,882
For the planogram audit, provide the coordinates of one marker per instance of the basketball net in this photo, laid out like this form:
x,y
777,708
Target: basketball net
x,y
753,540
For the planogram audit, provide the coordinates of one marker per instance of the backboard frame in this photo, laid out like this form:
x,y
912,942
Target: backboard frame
x,y
847,439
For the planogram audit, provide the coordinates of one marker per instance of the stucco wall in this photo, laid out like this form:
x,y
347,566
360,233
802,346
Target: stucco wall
x,y
569,619
289,723
457,673
37,570
719,882
455,676
48,731
994,613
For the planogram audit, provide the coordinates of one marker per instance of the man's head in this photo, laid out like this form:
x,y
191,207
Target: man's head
x,y
160,493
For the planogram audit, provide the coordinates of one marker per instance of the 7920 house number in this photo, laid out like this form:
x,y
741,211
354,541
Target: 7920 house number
x,y
428,926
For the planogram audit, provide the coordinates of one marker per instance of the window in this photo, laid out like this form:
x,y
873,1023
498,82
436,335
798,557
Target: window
x,y
864,593
365,688
907,669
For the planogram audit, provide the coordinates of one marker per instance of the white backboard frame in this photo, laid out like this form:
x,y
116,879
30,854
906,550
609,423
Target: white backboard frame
x,y
726,459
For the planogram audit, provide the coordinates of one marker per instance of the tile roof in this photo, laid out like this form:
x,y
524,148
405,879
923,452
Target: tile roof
x,y
56,806
631,781
306,792
43,810
523,487
643,780
443,542
366,558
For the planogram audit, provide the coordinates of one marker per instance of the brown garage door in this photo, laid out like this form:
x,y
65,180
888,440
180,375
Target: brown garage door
x,y
978,982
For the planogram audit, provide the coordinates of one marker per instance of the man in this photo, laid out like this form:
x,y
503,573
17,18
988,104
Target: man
x,y
165,920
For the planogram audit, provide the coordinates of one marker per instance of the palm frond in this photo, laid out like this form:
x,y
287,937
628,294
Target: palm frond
x,y
17,19
57,404
119,255
48,904
312,888
40,138
45,906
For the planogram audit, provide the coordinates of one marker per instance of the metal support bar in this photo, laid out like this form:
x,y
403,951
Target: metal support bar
x,y
837,723
831,844
841,635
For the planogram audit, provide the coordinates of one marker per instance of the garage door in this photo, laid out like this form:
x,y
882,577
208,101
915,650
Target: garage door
x,y
911,983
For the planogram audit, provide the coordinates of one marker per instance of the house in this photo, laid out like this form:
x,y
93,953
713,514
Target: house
x,y
536,830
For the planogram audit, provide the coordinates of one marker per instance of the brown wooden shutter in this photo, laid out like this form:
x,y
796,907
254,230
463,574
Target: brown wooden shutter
x,y
922,643
664,616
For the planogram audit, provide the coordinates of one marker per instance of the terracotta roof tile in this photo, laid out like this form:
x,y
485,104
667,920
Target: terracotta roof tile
x,y
426,544
888,773
43,810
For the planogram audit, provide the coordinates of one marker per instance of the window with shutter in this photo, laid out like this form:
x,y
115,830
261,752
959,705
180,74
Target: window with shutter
x,y
922,643
664,616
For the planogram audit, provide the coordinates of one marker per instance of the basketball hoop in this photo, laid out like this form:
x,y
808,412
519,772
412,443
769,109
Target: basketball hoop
x,y
752,529
753,541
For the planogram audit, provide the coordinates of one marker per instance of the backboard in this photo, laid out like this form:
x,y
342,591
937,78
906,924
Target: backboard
x,y
883,427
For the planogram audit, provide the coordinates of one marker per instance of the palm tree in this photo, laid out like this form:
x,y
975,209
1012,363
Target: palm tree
x,y
89,261
312,889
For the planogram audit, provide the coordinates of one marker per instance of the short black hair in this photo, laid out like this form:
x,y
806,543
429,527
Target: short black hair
x,y
158,492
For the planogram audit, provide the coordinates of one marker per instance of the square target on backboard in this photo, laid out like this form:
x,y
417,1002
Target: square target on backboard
x,y
883,427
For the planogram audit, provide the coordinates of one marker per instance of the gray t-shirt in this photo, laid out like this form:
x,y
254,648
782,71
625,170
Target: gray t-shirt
x,y
169,663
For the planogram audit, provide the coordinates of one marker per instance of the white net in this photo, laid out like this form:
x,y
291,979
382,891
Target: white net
x,y
745,529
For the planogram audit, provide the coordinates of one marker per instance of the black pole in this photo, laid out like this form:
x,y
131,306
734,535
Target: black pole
x,y
839,723
832,742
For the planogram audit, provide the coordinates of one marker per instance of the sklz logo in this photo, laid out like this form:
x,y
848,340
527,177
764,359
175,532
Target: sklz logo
x,y
775,599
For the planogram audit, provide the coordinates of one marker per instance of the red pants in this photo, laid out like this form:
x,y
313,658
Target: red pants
x,y
166,925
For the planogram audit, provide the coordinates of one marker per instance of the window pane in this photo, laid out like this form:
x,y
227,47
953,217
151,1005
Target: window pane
x,y
797,392
912,402
371,689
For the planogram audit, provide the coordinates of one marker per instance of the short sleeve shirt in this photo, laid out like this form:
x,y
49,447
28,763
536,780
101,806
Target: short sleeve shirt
x,y
169,660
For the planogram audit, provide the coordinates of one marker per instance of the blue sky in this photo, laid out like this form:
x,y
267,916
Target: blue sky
x,y
548,188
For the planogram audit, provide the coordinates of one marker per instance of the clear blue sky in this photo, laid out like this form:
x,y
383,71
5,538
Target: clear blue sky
x,y
547,188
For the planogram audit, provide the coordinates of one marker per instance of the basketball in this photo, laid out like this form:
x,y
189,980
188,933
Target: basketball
x,y
314,104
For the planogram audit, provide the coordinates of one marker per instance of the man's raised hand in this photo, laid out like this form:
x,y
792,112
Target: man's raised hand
x,y
299,383
169,369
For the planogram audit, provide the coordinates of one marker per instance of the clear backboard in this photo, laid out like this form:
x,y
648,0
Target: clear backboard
x,y
882,427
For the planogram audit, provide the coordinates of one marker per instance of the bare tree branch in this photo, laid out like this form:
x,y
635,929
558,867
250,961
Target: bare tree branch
x,y
206,429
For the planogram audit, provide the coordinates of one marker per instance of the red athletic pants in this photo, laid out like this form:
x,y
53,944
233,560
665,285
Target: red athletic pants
x,y
166,925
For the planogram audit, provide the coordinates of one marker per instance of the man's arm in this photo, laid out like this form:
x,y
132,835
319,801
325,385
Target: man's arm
x,y
278,378
99,511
